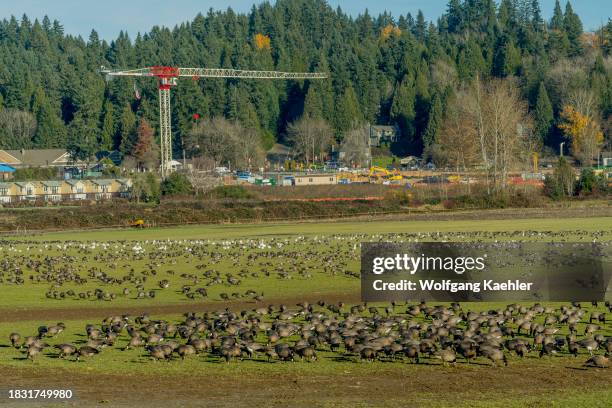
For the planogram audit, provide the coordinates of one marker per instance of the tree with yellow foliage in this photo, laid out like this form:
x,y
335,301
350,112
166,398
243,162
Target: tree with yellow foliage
x,y
584,133
390,30
262,41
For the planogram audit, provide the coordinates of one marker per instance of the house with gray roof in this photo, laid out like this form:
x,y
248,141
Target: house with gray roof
x,y
37,158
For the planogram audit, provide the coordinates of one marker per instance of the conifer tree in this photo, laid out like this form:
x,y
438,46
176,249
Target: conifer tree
x,y
543,114
573,28
556,22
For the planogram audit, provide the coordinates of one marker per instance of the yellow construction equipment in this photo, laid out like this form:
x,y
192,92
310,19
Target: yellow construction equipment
x,y
380,172
138,224
376,171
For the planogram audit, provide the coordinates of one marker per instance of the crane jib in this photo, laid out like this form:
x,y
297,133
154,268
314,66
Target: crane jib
x,y
168,76
174,72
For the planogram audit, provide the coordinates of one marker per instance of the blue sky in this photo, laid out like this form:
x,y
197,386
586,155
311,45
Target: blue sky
x,y
108,17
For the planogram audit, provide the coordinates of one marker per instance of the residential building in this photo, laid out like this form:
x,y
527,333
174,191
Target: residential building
x,y
37,158
74,189
380,134
6,172
51,190
278,155
7,192
411,162
123,187
26,190
64,190
102,189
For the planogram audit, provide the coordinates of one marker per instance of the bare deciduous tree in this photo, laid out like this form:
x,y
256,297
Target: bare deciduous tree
x,y
17,129
310,137
457,145
564,78
213,139
584,101
225,142
248,152
508,129
487,125
203,181
202,164
443,74
356,147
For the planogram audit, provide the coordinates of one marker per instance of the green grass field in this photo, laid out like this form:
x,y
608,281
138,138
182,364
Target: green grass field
x,y
325,228
292,262
305,238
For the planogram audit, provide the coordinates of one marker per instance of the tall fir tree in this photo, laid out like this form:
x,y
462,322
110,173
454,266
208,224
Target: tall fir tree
x,y
313,107
348,112
573,28
403,113
454,16
51,131
507,58
434,121
127,131
537,20
82,143
107,133
543,114
420,31
556,22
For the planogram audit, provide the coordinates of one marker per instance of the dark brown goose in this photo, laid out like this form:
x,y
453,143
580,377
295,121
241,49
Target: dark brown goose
x,y
86,351
65,350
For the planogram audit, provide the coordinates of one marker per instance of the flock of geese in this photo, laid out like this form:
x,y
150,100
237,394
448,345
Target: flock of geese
x,y
214,270
221,271
411,333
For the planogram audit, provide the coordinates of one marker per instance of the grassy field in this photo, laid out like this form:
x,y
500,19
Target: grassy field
x,y
324,228
292,262
337,241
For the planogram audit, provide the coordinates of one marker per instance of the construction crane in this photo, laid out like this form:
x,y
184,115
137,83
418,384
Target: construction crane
x,y
167,77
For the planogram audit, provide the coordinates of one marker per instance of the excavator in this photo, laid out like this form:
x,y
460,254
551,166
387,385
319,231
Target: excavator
x,y
380,172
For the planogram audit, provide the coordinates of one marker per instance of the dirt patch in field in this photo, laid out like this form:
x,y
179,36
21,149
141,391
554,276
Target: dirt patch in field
x,y
20,314
400,384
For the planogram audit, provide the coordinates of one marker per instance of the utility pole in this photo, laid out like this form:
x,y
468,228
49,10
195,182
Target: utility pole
x,y
561,149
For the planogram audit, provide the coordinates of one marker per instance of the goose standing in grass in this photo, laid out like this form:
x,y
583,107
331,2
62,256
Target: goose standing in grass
x,y
65,350
598,361
86,351
447,356
15,339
